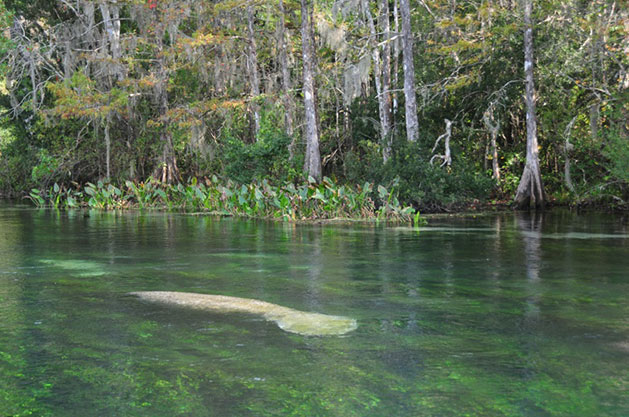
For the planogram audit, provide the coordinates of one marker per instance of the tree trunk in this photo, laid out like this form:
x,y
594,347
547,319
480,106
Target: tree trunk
x,y
385,99
90,34
286,84
252,65
530,192
396,61
412,124
107,147
595,112
312,163
167,171
115,36
567,148
111,21
447,156
495,167
378,70
90,21
493,126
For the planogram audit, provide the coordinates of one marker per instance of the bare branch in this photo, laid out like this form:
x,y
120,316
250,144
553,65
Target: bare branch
x,y
446,157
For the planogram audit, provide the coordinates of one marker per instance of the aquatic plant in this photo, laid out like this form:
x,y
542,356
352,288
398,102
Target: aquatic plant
x,y
144,193
105,196
288,319
308,201
56,196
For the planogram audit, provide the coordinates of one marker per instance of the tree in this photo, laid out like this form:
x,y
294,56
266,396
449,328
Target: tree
x,y
530,192
381,71
312,164
132,88
252,67
384,98
412,123
287,98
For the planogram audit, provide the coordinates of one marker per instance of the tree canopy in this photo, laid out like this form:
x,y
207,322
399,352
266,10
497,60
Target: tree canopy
x,y
127,89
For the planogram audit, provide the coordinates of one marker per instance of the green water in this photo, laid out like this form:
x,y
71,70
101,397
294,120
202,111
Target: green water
x,y
492,316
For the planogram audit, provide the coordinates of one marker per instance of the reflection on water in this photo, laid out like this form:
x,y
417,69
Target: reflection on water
x,y
512,314
531,226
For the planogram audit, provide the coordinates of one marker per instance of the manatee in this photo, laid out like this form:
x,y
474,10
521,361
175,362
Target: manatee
x,y
288,319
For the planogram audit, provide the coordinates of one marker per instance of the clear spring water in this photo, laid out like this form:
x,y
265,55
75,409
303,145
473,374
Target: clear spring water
x,y
501,315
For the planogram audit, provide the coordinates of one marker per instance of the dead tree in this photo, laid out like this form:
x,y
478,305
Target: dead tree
x,y
446,157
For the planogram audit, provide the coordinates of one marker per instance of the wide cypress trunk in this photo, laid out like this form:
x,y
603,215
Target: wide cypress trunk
x,y
530,192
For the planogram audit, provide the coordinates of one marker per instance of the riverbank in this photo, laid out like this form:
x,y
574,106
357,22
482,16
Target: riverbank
x,y
327,202
310,201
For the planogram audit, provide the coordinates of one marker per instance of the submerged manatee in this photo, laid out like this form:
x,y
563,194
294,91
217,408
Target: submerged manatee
x,y
288,319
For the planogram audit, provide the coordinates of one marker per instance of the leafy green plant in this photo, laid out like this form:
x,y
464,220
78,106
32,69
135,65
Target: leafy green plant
x,y
36,197
143,193
57,197
104,196
310,200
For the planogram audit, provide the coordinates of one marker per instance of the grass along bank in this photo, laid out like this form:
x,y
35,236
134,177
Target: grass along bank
x,y
307,201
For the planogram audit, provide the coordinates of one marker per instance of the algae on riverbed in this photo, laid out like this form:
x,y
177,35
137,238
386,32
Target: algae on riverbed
x,y
79,267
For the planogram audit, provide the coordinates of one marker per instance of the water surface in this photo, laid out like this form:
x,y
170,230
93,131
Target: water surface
x,y
500,315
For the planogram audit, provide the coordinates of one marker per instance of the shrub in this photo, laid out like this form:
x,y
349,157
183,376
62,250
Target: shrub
x,y
418,182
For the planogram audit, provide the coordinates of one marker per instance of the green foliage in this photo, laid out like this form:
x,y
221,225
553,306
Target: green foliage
x,y
45,168
310,200
471,63
6,18
419,183
56,196
104,196
79,97
511,172
16,160
268,157
144,193
617,151
617,143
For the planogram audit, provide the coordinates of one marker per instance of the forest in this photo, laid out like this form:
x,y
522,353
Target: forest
x,y
440,104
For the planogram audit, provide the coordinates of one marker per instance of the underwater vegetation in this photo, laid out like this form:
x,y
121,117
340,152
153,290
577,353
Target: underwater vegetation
x,y
80,267
288,319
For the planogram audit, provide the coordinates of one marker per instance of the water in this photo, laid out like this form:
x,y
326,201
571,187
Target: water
x,y
492,316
